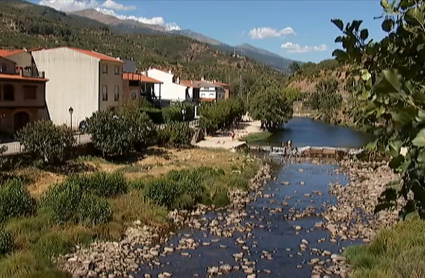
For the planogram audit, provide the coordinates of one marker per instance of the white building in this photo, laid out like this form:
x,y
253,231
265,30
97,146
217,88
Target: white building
x,y
85,80
210,91
170,89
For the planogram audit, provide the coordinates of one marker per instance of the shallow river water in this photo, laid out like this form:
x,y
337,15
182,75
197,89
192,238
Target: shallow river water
x,y
273,244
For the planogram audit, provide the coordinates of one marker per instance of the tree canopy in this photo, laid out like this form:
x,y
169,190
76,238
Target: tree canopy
x,y
390,89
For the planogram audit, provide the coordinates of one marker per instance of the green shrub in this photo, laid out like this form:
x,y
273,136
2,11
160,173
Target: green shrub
x,y
154,114
6,241
101,184
183,188
94,210
43,140
63,200
15,200
175,135
163,192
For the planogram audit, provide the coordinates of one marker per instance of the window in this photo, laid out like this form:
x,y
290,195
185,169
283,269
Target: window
x,y
30,92
117,70
105,93
117,93
105,69
133,94
8,92
3,68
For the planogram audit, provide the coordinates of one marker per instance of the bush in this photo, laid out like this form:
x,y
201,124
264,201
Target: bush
x,y
163,192
6,241
94,210
173,113
3,149
182,189
101,184
43,140
175,135
15,200
122,132
154,114
63,200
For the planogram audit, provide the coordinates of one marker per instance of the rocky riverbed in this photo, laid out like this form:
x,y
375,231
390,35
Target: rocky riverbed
x,y
295,224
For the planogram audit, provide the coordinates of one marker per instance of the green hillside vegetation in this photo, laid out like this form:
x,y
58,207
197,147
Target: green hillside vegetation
x,y
31,26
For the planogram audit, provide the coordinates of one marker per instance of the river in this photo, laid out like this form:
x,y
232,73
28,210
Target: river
x,y
308,132
272,247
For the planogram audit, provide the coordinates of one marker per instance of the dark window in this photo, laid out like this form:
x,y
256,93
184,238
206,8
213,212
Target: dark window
x,y
8,92
30,92
105,93
117,70
3,68
105,69
117,93
133,94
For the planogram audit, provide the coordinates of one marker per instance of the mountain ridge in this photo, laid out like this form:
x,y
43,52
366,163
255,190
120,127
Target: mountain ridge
x,y
132,26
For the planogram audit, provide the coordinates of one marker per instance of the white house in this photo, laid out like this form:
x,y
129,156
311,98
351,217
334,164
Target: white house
x,y
83,80
170,89
210,91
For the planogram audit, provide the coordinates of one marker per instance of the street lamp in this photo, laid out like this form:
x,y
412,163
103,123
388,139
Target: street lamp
x,y
183,113
71,110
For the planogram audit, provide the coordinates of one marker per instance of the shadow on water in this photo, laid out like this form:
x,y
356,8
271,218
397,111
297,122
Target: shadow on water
x,y
298,186
308,132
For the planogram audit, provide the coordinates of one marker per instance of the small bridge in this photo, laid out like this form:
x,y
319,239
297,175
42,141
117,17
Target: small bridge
x,y
306,151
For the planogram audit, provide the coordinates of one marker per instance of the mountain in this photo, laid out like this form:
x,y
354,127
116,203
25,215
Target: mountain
x,y
132,26
28,25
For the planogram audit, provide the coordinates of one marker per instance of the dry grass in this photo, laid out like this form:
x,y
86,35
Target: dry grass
x,y
165,160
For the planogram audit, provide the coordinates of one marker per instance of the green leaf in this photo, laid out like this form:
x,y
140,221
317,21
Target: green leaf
x,y
421,116
371,145
421,156
365,74
416,14
404,116
339,54
338,23
419,140
387,25
396,162
364,34
394,147
389,83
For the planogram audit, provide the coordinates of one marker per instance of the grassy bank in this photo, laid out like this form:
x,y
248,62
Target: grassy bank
x,y
257,136
395,252
58,211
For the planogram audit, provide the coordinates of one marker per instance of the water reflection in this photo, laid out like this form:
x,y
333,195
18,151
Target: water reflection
x,y
308,132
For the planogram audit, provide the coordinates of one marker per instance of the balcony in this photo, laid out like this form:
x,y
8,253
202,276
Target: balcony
x,y
24,72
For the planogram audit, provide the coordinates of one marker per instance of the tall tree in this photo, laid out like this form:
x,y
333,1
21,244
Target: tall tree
x,y
271,107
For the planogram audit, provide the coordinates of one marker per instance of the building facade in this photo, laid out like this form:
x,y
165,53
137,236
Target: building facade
x,y
171,90
137,86
22,97
83,80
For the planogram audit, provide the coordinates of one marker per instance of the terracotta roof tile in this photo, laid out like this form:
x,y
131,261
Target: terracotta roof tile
x,y
8,52
23,78
96,55
139,77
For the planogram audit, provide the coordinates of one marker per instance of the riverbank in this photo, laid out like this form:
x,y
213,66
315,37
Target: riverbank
x,y
353,218
138,210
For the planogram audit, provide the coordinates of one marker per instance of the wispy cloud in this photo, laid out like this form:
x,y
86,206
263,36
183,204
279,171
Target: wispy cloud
x,y
296,48
151,21
267,32
75,5
107,7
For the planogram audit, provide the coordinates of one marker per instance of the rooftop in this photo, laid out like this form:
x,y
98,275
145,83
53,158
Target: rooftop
x,y
139,77
86,52
8,52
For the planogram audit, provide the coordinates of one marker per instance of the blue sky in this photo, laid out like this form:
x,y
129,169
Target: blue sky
x,y
299,30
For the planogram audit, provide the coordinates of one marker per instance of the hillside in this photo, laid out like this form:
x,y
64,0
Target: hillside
x,y
131,26
28,25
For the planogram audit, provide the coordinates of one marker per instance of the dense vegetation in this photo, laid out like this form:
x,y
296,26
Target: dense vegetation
x,y
31,26
389,100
